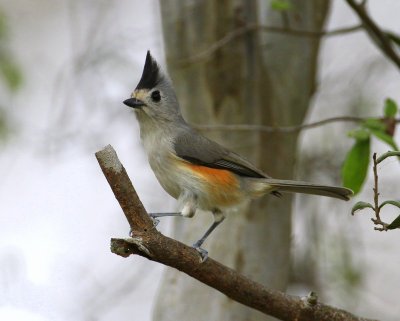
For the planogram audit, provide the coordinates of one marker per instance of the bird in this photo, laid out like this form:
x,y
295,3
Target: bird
x,y
198,172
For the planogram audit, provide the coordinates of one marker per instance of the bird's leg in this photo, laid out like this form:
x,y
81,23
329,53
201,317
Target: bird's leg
x,y
188,210
155,216
218,218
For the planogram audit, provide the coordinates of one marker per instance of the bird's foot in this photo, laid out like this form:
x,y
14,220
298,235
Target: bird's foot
x,y
203,253
154,218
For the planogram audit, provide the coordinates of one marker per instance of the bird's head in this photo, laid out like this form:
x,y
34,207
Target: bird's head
x,y
154,95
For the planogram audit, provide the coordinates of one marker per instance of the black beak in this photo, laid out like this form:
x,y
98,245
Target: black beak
x,y
134,103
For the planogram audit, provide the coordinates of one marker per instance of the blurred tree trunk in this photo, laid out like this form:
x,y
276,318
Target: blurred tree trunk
x,y
257,78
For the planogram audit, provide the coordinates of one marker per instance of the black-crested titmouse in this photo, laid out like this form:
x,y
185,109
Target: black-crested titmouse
x,y
197,171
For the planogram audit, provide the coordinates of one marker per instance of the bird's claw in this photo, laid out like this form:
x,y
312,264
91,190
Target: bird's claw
x,y
154,219
203,253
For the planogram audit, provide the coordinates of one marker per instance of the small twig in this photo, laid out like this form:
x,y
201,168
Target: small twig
x,y
284,129
256,27
377,35
377,209
151,244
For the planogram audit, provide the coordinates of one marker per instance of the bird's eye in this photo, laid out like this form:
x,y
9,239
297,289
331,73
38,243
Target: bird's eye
x,y
155,96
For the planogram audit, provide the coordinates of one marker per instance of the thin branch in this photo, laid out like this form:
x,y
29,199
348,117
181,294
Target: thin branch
x,y
150,243
285,129
377,209
382,226
256,27
375,32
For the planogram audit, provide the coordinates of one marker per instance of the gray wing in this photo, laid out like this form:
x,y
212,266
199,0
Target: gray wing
x,y
200,150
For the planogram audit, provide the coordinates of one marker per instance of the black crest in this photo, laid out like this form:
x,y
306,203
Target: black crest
x,y
151,74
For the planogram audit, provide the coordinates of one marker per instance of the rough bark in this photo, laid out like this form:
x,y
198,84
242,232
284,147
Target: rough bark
x,y
259,78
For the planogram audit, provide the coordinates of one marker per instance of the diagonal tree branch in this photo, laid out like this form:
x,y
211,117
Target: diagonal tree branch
x,y
150,243
378,36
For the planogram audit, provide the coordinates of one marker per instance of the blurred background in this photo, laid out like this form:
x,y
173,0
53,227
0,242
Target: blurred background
x,y
66,67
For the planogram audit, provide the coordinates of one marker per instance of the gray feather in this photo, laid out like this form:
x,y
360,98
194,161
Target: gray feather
x,y
310,188
199,150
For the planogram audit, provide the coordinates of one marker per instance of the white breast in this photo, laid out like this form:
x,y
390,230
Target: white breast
x,y
159,149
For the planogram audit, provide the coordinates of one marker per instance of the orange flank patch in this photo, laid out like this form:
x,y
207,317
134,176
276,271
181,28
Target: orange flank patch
x,y
218,177
223,186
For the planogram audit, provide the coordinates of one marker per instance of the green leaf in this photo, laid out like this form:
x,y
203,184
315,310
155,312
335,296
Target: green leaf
x,y
9,70
386,155
4,128
374,124
3,26
11,73
390,109
394,224
360,206
281,5
394,203
359,134
355,166
385,138
378,129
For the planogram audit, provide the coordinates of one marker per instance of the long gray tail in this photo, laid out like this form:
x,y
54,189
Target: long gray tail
x,y
309,188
